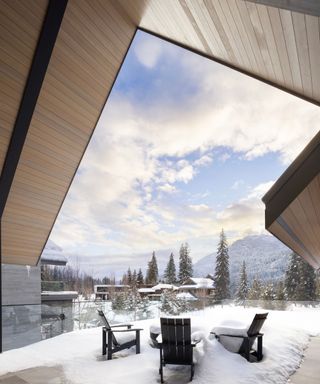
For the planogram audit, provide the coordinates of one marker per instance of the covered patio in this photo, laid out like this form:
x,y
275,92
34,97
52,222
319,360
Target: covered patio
x,y
59,61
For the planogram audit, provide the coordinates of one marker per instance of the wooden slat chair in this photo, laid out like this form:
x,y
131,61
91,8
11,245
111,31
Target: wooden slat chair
x,y
176,346
246,349
110,344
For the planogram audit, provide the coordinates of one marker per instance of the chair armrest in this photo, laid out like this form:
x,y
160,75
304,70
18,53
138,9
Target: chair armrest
x,y
224,334
126,330
121,325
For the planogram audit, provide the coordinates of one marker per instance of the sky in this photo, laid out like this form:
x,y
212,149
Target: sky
x,y
183,148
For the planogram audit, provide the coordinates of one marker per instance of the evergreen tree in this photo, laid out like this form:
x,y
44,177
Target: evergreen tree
x,y
293,277
170,271
307,287
185,263
268,292
222,276
255,290
129,277
118,302
242,292
152,272
134,278
280,291
124,280
140,279
169,303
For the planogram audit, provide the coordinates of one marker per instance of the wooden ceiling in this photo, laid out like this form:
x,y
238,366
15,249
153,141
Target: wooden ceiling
x,y
279,46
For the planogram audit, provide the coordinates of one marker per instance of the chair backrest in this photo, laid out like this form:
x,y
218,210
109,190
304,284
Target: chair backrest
x,y
107,325
257,324
176,340
254,330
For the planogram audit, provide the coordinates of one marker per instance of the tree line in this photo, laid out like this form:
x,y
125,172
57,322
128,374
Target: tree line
x,y
170,276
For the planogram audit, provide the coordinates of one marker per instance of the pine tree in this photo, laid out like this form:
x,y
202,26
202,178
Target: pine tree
x,y
118,302
129,277
293,277
170,271
152,272
124,279
307,286
140,279
255,290
222,276
242,292
280,291
268,292
169,303
134,278
185,263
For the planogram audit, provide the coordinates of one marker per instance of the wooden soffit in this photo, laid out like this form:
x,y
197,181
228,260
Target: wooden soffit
x,y
277,45
293,205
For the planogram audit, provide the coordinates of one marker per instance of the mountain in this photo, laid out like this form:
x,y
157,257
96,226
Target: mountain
x,y
265,256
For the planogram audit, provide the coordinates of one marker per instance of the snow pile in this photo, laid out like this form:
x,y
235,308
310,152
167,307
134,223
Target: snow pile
x,y
79,352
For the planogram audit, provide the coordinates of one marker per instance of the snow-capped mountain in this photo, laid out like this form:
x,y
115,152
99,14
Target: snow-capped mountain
x,y
265,256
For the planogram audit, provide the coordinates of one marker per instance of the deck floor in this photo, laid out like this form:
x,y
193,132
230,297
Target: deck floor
x,y
309,372
37,375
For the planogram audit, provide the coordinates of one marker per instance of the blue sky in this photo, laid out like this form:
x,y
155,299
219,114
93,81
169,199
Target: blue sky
x,y
183,148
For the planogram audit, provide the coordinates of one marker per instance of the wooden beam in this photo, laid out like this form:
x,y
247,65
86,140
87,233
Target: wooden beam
x,y
46,42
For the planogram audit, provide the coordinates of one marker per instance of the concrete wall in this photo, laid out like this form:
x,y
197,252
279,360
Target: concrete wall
x,y
20,285
21,311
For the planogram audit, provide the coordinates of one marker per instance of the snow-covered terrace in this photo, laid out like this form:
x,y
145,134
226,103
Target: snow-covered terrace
x,y
78,354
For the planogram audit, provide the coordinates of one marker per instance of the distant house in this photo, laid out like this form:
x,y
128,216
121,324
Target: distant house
x,y
105,291
146,292
198,286
155,292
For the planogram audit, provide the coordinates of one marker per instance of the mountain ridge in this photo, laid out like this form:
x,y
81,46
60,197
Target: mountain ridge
x,y
265,256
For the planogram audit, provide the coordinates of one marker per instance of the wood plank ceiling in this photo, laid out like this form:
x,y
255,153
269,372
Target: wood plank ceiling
x,y
279,46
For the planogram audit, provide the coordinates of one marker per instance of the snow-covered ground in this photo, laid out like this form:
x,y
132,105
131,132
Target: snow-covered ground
x,y
286,334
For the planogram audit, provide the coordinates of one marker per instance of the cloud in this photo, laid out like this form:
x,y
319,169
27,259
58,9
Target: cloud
x,y
203,161
148,51
237,184
142,152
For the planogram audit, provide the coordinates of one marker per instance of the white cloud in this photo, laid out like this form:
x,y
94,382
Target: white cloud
x,y
203,161
113,203
148,51
167,188
237,184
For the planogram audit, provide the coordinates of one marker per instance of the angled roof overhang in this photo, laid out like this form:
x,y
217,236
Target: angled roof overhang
x,y
293,205
274,41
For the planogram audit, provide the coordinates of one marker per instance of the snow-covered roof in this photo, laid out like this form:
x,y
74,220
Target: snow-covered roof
x,y
146,290
53,254
198,282
186,296
163,286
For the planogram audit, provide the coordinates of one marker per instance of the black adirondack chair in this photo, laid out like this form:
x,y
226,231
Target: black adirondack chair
x,y
176,346
110,344
246,349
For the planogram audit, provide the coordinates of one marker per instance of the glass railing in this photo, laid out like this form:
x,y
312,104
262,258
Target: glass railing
x,y
26,324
